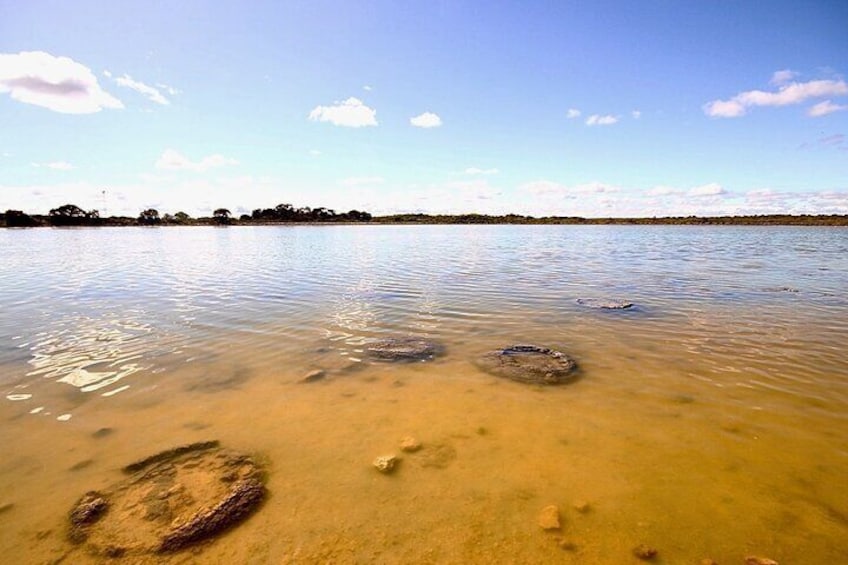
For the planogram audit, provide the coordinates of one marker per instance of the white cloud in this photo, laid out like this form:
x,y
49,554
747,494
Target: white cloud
x,y
173,160
724,109
350,113
367,88
598,120
793,93
636,114
314,152
711,189
478,171
151,93
57,83
825,108
782,77
572,113
426,120
662,190
361,181
56,165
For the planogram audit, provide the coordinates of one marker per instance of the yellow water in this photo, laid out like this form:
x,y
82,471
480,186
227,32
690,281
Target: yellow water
x,y
718,434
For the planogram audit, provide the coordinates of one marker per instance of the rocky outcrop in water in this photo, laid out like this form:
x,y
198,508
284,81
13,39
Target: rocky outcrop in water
x,y
404,349
169,501
530,364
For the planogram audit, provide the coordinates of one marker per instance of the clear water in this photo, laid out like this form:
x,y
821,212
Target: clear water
x,y
710,420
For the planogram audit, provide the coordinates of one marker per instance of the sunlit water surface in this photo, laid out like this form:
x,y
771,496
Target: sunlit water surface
x,y
709,421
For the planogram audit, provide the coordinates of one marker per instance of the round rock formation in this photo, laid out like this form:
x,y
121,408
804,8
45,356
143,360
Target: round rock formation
x,y
168,502
529,364
404,349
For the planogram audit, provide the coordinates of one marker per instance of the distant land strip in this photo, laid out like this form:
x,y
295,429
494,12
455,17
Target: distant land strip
x,y
72,215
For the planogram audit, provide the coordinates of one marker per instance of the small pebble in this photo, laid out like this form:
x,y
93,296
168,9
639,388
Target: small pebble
x,y
410,444
549,518
644,552
582,506
708,561
385,463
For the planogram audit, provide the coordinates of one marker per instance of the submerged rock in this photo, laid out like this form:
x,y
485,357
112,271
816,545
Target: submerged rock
x,y
529,364
410,444
169,501
385,463
549,518
404,349
645,552
605,303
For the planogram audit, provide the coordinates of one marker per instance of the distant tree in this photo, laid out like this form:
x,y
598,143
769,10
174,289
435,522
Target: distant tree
x,y
284,212
182,218
72,215
221,216
149,217
244,218
18,219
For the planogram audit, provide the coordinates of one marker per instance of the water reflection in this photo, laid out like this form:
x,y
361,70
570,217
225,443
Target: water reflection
x,y
91,354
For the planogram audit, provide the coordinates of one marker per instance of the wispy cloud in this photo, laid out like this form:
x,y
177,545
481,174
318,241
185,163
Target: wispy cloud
x,y
56,83
599,120
548,188
148,91
787,94
351,113
572,113
169,89
175,161
782,77
825,108
426,120
636,114
478,171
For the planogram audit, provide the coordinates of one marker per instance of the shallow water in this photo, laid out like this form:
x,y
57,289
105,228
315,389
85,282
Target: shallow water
x,y
710,420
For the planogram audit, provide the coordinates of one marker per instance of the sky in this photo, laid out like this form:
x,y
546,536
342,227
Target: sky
x,y
594,109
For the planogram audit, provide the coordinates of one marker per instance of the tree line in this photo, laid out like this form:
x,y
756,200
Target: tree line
x,y
73,215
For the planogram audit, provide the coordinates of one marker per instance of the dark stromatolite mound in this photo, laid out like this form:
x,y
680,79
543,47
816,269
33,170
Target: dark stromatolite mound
x,y
529,364
605,303
169,501
404,349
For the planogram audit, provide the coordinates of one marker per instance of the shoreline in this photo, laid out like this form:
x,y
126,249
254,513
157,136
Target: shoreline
x,y
466,219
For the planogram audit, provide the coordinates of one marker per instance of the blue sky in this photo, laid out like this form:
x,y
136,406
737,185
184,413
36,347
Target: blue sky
x,y
542,108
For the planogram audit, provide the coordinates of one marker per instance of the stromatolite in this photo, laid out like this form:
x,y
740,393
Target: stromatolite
x,y
529,364
168,501
404,349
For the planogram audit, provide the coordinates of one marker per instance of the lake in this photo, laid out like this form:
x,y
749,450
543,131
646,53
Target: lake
x,y
710,420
